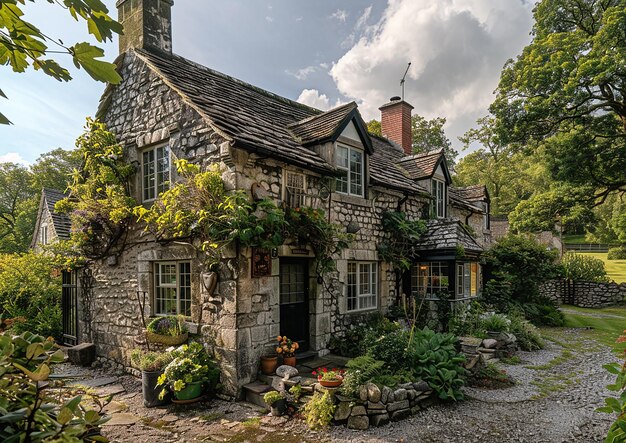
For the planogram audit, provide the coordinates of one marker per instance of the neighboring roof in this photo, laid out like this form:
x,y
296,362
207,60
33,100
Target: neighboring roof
x,y
457,199
424,165
329,125
473,193
384,168
61,222
447,234
255,119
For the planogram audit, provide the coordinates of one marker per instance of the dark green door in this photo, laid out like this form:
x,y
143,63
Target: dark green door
x,y
294,301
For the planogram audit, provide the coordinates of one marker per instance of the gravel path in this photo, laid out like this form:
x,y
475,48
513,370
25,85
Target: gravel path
x,y
556,392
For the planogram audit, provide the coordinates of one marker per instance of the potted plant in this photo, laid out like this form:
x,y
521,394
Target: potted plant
x,y
495,325
189,375
277,403
287,348
269,364
170,330
151,365
329,378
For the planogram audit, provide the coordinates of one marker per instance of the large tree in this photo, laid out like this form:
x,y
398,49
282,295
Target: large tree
x,y
566,93
22,44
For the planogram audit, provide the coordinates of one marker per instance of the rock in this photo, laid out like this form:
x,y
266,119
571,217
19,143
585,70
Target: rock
x,y
379,420
421,386
411,394
399,394
83,354
415,409
122,419
363,393
397,405
343,398
400,414
286,371
384,397
343,411
508,338
486,350
360,422
489,343
423,396
373,393
376,406
358,410
406,386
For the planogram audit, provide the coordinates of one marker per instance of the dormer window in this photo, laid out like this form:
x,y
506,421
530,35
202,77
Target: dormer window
x,y
155,172
351,165
439,198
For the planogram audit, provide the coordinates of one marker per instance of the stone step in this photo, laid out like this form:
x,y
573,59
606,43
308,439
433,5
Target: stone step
x,y
254,392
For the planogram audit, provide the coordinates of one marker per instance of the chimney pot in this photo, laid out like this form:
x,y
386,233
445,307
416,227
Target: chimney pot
x,y
395,98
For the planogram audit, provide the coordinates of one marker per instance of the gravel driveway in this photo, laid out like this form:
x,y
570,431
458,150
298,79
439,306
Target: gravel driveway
x,y
556,392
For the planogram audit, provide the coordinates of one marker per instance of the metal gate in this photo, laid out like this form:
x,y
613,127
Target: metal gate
x,y
69,308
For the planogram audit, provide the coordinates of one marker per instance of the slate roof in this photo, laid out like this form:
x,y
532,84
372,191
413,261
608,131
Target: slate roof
x,y
322,127
457,199
473,193
447,234
422,165
257,120
384,168
62,223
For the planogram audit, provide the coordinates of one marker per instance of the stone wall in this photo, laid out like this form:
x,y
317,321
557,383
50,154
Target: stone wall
x,y
499,227
584,294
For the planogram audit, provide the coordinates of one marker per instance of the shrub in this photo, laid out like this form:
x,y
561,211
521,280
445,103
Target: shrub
x,y
360,370
467,321
272,397
170,325
543,312
319,410
30,289
618,253
150,361
528,336
434,358
29,410
583,267
352,344
496,323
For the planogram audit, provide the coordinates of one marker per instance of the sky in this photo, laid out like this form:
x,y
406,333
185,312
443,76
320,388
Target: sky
x,y
322,53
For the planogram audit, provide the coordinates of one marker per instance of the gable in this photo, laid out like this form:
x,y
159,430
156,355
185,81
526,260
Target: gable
x,y
350,131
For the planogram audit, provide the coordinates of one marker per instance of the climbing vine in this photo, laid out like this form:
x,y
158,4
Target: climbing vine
x,y
399,247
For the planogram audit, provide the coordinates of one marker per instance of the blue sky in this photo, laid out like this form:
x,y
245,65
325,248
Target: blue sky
x,y
322,53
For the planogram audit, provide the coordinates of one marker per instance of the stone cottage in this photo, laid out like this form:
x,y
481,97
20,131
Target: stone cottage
x,y
169,107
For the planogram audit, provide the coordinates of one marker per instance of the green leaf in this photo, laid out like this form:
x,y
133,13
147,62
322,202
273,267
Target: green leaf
x,y
65,415
85,56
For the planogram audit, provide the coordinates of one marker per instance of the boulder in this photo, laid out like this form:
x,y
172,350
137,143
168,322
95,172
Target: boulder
x,y
385,393
421,386
489,343
397,405
360,422
375,408
399,394
343,411
83,354
286,371
411,394
373,393
363,393
358,410
379,420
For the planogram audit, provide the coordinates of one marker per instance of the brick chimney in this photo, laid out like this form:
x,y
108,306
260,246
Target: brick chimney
x,y
147,24
395,121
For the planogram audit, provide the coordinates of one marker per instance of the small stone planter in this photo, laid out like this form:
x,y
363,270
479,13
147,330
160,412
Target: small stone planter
x,y
169,340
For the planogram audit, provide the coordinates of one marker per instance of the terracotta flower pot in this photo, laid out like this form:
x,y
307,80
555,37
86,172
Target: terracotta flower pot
x,y
269,365
331,383
289,361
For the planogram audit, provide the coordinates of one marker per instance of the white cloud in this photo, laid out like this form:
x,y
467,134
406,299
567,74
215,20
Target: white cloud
x,y
324,65
269,19
457,49
302,74
340,14
313,98
13,157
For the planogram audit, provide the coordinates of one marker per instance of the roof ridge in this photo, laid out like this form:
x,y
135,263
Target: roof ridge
x,y
313,117
235,79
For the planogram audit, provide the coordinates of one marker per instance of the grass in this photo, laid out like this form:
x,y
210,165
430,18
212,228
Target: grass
x,y
616,269
604,329
566,354
574,238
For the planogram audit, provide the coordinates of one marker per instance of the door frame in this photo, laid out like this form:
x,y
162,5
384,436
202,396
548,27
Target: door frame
x,y
69,307
304,345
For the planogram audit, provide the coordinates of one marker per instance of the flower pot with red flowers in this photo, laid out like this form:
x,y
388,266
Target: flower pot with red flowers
x,y
329,378
287,348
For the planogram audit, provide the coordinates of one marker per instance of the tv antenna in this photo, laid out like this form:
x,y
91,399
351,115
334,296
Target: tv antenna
x,y
404,79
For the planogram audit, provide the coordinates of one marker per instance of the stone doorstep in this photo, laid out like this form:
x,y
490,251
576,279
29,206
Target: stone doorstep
x,y
254,393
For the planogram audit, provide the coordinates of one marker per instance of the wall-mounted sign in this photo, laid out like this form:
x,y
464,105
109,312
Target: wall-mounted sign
x,y
300,251
261,262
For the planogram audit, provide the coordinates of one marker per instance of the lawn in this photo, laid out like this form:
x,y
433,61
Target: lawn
x,y
605,329
574,238
615,268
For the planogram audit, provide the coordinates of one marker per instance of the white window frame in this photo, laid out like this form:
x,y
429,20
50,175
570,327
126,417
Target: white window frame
x,y
43,234
439,186
300,195
364,301
158,284
348,170
159,185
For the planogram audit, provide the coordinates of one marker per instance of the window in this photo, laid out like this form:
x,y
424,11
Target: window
x,y
172,283
43,235
362,285
295,189
486,216
429,279
155,172
351,166
468,280
439,198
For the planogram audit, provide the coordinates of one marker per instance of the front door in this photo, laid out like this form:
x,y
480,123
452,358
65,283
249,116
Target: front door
x,y
69,308
294,301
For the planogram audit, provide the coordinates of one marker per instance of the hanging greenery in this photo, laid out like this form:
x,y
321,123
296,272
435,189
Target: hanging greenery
x,y
399,247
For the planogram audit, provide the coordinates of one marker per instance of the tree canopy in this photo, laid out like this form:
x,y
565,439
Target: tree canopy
x,y
22,44
566,93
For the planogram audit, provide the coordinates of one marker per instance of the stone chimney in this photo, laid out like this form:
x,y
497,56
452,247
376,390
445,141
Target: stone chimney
x,y
395,121
147,24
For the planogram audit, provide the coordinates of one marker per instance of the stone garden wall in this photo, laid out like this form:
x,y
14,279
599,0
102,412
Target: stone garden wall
x,y
584,294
